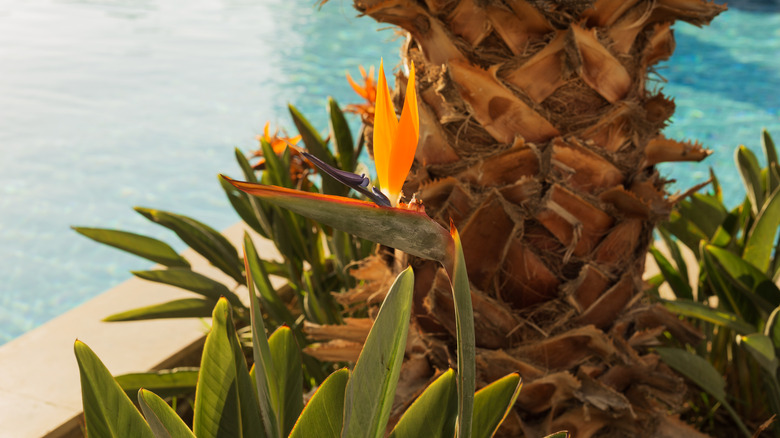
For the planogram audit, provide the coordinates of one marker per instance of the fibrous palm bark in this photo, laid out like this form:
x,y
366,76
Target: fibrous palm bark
x,y
539,133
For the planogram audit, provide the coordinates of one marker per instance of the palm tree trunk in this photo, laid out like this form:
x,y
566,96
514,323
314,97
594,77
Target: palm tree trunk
x,y
539,139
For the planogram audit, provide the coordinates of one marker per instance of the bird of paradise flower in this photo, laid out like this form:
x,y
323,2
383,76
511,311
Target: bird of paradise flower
x,y
385,220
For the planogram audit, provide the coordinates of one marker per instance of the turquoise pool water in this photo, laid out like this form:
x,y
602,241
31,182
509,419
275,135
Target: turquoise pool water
x,y
107,104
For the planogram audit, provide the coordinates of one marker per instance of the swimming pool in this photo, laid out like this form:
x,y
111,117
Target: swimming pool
x,y
111,104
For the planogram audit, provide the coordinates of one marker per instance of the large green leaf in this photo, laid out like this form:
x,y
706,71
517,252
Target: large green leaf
x,y
492,404
684,229
191,281
323,415
183,308
251,422
433,413
146,247
288,380
221,399
760,241
753,283
166,383
703,374
750,171
762,349
342,137
679,285
205,240
164,421
705,211
700,311
464,326
108,411
271,301
410,231
371,388
261,353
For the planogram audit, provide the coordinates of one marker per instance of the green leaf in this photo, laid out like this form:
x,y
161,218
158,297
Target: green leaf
x,y
700,311
705,211
323,415
773,166
261,353
433,413
371,388
753,283
191,281
184,308
720,283
317,147
674,250
675,279
205,240
220,399
464,326
164,421
263,214
108,411
342,137
166,383
251,422
703,374
410,231
288,379
271,301
772,328
769,147
246,168
276,169
684,229
717,191
750,172
311,138
244,206
762,349
146,247
492,404
758,249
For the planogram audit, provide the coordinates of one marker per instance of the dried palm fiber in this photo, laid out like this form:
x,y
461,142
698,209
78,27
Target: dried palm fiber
x,y
539,134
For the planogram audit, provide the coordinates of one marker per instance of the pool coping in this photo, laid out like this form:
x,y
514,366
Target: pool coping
x,y
40,392
38,399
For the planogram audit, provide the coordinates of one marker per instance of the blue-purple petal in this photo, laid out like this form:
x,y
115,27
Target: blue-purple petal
x,y
356,182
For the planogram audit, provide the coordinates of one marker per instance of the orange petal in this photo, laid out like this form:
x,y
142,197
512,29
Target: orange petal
x,y
294,140
405,142
385,128
266,136
358,89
